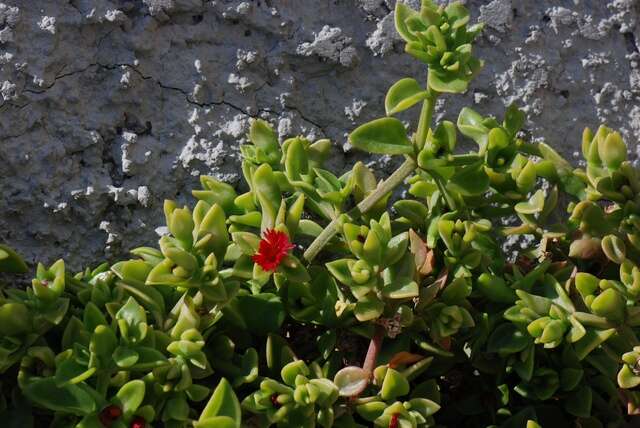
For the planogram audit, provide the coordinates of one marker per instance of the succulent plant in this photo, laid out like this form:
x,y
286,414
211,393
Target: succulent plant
x,y
318,298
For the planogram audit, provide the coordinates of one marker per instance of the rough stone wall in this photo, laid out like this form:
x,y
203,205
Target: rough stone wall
x,y
107,107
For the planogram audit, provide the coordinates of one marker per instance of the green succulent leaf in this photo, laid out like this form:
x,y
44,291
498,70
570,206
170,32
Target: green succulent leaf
x,y
382,136
10,261
535,204
508,339
223,403
470,180
351,381
69,398
402,95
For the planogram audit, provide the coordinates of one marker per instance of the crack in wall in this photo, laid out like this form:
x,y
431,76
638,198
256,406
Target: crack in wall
x,y
185,93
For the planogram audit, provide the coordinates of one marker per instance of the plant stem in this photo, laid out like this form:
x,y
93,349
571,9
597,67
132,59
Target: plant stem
x,y
388,185
374,348
443,190
102,383
365,205
428,105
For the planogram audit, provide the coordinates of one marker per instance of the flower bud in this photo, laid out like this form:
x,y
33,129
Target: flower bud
x,y
49,283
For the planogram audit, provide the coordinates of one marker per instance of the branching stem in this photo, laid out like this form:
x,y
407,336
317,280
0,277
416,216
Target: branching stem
x,y
365,205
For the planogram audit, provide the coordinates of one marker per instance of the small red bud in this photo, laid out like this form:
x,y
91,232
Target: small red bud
x,y
394,422
109,414
138,422
274,401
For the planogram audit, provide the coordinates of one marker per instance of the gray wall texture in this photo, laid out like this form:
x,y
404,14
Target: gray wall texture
x,y
107,107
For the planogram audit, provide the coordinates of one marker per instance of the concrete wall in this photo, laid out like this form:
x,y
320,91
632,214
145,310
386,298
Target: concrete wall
x,y
107,107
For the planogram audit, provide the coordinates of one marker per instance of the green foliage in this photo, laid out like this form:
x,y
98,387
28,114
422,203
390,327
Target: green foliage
x,y
312,300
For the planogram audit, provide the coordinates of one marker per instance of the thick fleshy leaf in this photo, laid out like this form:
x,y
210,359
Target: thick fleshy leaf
x,y
495,289
382,136
403,94
248,242
535,204
585,248
278,353
372,410
15,319
578,403
470,180
526,179
214,229
627,379
223,402
614,248
292,370
453,83
260,314
513,119
609,304
591,341
508,339
424,406
10,261
586,283
570,378
216,422
470,123
132,271
265,140
445,136
394,385
368,308
125,357
612,150
71,372
415,211
68,399
268,193
216,192
401,14
340,270
351,381
296,159
132,313
130,396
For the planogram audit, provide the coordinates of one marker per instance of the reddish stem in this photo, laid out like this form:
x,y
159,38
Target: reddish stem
x,y
374,348
370,359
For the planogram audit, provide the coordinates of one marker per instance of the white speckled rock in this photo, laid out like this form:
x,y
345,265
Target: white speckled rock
x,y
107,107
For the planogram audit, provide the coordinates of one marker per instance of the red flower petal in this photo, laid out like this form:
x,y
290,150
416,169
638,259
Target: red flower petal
x,y
273,247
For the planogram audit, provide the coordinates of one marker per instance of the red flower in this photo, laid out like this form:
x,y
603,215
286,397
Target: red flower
x,y
274,245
